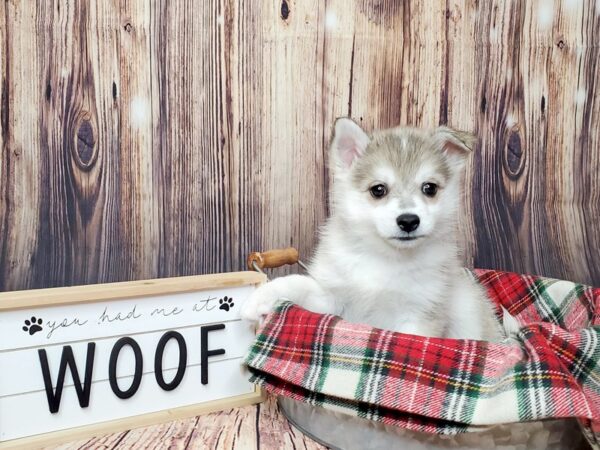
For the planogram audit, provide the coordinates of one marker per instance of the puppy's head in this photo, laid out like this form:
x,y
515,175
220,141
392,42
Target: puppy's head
x,y
400,186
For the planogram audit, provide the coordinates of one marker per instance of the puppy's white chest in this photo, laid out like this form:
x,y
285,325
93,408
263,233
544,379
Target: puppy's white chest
x,y
404,284
386,295
379,278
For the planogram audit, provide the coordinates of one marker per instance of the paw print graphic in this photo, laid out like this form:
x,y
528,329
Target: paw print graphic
x,y
33,325
226,303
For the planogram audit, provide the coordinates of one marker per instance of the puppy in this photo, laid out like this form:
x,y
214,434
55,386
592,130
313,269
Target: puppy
x,y
388,255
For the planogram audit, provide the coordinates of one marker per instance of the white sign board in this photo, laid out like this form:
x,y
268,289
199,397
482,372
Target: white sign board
x,y
73,357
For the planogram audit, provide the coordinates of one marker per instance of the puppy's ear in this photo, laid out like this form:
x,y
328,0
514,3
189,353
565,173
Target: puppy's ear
x,y
349,142
456,145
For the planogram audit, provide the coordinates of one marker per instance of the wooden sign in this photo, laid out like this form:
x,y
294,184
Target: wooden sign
x,y
88,360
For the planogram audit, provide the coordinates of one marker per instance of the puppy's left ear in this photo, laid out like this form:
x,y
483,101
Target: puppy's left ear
x,y
456,145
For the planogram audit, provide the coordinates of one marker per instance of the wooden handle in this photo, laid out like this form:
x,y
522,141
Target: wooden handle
x,y
273,258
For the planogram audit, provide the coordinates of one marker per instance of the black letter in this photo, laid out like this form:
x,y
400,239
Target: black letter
x,y
205,352
112,367
67,358
158,359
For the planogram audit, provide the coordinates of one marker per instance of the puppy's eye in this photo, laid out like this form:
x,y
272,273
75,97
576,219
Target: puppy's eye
x,y
378,191
429,189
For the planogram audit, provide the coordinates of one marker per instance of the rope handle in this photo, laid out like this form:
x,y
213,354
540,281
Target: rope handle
x,y
272,258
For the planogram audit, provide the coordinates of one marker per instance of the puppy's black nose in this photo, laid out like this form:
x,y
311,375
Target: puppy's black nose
x,y
408,222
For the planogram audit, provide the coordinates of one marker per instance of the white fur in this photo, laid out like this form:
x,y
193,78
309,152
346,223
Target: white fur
x,y
364,275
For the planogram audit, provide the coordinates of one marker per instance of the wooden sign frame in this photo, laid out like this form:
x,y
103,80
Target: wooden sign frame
x,y
78,295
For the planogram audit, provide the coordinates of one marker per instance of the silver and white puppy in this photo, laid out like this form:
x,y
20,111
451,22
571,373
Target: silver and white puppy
x,y
389,255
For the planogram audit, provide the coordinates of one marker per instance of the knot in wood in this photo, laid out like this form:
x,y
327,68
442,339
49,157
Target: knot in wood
x,y
285,10
514,154
483,104
86,142
543,104
4,108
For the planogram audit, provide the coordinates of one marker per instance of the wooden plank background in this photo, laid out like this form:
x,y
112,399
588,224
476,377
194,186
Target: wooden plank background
x,y
249,428
146,139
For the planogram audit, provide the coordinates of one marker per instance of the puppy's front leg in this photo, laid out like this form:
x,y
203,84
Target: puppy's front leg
x,y
300,289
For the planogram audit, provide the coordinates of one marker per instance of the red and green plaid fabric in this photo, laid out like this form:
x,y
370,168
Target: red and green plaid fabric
x,y
550,370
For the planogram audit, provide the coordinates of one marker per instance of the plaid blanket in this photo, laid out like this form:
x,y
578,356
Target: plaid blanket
x,y
550,370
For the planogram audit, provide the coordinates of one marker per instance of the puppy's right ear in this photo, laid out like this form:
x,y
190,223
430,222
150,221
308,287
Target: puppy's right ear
x,y
349,142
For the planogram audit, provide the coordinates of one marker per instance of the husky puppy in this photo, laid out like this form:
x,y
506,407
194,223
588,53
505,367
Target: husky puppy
x,y
388,255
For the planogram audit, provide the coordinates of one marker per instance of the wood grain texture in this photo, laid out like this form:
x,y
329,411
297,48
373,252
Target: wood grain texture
x,y
153,139
151,422
247,428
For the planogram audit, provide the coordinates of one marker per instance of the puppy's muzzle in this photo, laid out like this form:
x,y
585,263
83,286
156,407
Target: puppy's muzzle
x,y
408,222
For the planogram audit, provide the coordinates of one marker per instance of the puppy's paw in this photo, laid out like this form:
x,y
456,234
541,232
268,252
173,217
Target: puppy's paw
x,y
260,303
510,324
